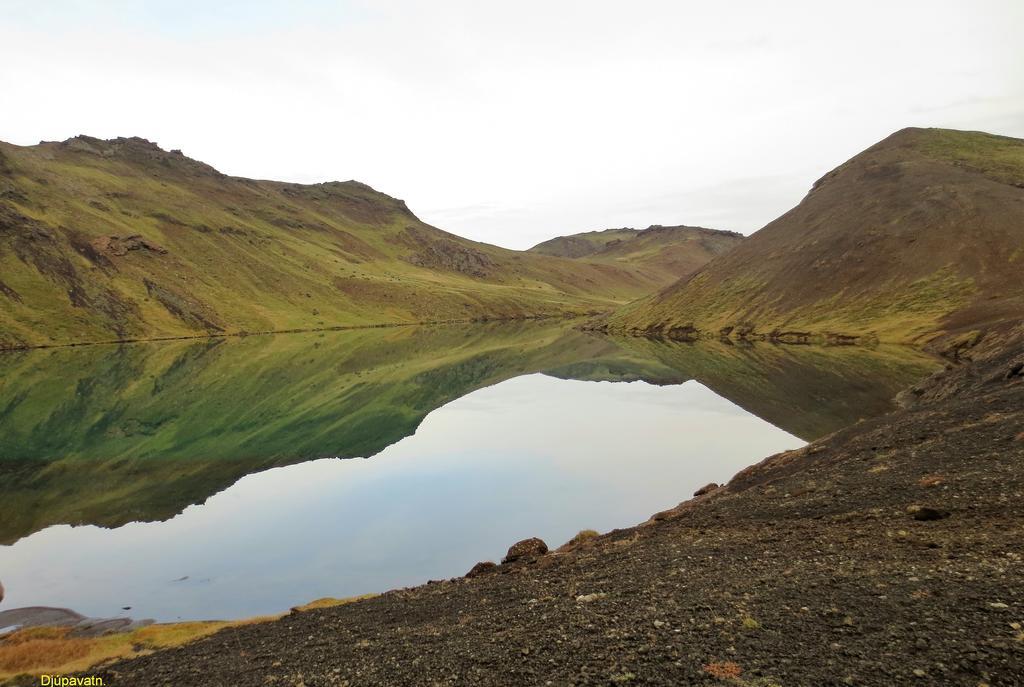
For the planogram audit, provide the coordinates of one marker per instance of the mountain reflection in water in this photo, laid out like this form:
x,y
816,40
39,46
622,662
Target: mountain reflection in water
x,y
111,435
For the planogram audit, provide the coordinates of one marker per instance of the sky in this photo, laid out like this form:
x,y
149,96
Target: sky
x,y
513,122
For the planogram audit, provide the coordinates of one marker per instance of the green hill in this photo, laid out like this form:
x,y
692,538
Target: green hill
x,y
119,239
662,254
921,234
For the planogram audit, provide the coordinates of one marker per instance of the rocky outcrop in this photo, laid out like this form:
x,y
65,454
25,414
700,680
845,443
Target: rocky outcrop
x,y
183,306
117,246
139,151
706,489
443,254
80,625
482,568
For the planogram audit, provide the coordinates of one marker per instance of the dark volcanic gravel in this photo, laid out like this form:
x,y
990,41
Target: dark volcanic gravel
x,y
808,569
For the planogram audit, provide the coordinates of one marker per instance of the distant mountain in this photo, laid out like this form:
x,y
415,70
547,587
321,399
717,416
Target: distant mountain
x,y
118,239
921,234
663,254
584,244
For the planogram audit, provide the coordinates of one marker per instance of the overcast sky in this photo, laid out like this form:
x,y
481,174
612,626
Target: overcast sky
x,y
516,121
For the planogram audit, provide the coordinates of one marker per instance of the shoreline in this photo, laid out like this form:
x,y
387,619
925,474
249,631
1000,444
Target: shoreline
x,y
270,332
676,335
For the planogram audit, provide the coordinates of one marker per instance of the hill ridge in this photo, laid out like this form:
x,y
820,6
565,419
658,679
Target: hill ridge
x,y
653,228
663,252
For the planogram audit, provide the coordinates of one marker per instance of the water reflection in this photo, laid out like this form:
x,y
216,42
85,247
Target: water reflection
x,y
110,435
533,456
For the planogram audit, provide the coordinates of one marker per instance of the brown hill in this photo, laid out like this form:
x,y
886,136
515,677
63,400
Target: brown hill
x,y
119,239
662,254
920,234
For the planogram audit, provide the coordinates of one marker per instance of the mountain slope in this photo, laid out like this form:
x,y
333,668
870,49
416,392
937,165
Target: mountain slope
x,y
119,239
920,234
662,254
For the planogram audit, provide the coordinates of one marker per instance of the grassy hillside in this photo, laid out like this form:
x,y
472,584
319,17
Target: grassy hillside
x,y
923,233
109,240
661,254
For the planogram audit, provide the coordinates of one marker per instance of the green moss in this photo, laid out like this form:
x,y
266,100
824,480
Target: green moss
x,y
998,157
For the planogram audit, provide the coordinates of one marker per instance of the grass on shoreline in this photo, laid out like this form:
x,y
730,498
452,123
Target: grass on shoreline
x,y
50,651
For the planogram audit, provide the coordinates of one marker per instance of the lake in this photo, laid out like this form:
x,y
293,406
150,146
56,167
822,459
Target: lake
x,y
227,478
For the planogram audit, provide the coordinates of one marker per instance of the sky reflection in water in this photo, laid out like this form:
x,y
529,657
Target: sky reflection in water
x,y
531,456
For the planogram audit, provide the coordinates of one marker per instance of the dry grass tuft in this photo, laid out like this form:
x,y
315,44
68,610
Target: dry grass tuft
x,y
34,648
931,480
723,670
581,537
41,650
328,602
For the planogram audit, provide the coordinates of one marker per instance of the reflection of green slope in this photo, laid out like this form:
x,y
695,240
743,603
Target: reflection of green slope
x,y
111,434
107,435
808,391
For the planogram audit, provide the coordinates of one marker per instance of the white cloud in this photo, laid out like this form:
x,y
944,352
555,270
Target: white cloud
x,y
512,122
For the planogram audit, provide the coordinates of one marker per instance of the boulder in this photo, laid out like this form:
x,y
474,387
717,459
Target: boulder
x,y
482,568
925,513
525,550
706,489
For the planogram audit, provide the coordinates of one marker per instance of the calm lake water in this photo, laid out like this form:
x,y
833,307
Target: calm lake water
x,y
205,479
